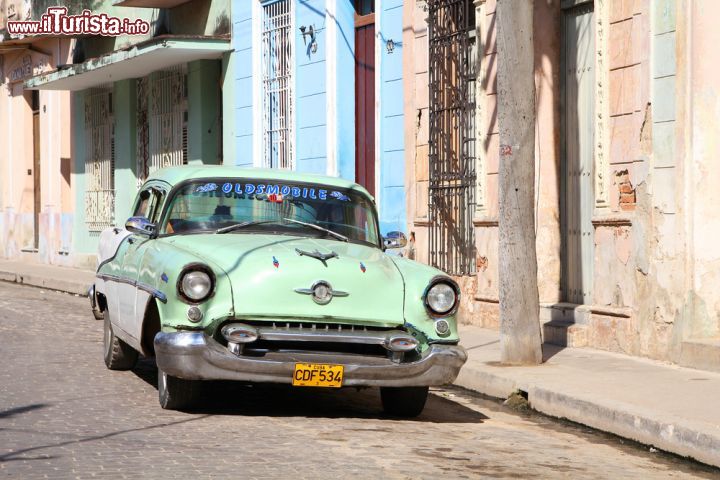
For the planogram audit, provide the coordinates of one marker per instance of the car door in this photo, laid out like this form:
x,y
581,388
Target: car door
x,y
130,292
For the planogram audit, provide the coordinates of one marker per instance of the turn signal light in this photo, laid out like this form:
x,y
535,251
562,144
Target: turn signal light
x,y
239,333
402,344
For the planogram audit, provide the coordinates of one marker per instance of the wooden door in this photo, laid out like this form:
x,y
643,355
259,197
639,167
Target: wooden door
x,y
578,152
36,178
365,101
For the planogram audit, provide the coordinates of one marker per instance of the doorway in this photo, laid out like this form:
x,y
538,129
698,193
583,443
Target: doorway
x,y
365,94
35,104
578,144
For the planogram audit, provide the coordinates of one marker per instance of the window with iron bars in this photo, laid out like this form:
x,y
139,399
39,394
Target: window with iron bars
x,y
452,74
277,107
162,117
99,159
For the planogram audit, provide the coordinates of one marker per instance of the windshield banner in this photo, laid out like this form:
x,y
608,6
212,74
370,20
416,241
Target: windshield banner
x,y
273,192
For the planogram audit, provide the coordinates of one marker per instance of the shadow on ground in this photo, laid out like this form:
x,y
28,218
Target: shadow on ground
x,y
274,400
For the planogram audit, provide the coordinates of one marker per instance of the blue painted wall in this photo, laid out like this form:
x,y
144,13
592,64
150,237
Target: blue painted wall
x,y
310,88
390,130
345,96
242,59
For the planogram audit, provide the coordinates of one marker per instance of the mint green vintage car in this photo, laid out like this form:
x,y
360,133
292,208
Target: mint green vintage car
x,y
255,275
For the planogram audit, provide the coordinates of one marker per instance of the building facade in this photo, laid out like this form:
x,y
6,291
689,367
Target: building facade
x,y
35,159
139,103
310,85
319,89
625,157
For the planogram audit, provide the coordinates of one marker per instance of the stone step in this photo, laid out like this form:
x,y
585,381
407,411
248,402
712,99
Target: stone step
x,y
701,353
565,333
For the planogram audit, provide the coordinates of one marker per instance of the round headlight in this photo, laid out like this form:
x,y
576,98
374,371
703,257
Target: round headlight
x,y
196,285
441,298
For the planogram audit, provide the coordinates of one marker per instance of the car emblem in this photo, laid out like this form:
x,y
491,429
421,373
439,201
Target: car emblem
x,y
362,267
323,257
322,292
276,264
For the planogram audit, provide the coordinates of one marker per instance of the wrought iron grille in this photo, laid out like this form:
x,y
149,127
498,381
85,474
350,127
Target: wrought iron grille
x,y
99,160
452,73
142,143
161,121
276,84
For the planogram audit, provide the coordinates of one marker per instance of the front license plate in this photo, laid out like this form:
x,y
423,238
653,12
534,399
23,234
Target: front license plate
x,y
317,375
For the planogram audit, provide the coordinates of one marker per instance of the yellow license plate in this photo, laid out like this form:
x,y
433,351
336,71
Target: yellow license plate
x,y
317,375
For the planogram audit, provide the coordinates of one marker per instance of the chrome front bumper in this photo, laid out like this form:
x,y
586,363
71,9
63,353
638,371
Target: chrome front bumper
x,y
195,356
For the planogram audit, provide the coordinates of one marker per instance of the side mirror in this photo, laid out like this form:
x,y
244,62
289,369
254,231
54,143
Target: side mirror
x,y
140,225
395,240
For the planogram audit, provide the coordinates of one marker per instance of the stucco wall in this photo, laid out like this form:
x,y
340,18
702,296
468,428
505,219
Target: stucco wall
x,y
481,294
16,160
656,264
323,95
704,151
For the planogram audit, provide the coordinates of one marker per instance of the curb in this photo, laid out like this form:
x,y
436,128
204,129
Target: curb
x,y
67,286
684,439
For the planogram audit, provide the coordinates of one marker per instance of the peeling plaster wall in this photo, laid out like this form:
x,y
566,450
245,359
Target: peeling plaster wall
x,y
480,293
704,170
656,217
16,158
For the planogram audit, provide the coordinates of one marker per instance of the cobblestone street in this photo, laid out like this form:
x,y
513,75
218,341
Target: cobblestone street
x,y
64,415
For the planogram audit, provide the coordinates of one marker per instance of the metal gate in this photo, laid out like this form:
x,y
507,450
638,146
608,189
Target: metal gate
x,y
452,73
162,116
99,160
578,145
276,83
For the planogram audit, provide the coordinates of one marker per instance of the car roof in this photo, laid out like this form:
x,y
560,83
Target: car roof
x,y
175,175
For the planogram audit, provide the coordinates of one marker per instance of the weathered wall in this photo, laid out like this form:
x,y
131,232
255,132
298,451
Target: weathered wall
x,y
480,294
703,167
198,17
656,264
16,159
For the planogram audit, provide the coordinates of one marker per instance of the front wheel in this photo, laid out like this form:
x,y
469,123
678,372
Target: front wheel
x,y
118,354
403,401
176,393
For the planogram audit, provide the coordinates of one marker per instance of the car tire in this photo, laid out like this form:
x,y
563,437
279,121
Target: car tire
x,y
118,354
177,393
403,401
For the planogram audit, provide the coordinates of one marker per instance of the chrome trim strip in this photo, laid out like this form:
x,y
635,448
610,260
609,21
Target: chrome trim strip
x,y
296,335
142,286
194,356
311,290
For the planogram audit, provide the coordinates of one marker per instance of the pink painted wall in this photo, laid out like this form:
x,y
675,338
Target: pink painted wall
x,y
16,158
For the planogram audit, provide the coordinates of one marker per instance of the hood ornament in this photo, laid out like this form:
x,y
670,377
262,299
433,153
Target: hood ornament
x,y
323,257
322,292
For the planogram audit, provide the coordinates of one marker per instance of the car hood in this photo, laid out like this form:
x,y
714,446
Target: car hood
x,y
266,270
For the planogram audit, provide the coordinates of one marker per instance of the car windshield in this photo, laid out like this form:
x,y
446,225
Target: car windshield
x,y
270,206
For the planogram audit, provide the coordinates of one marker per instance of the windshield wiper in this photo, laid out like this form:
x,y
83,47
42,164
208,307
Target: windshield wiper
x,y
318,227
238,226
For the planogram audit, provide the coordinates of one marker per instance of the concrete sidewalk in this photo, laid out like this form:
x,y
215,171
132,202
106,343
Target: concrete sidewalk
x,y
52,277
669,407
672,408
